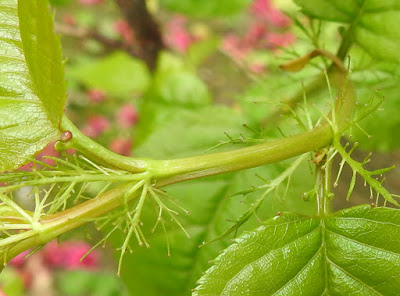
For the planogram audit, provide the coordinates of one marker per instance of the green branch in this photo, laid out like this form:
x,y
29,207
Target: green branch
x,y
164,172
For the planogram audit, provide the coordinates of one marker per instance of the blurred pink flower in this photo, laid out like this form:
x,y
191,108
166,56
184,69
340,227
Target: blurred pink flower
x,y
95,126
124,29
176,35
19,260
255,36
48,151
281,39
41,156
278,19
90,2
69,19
121,146
257,68
68,254
96,95
26,167
265,11
127,116
232,45
37,268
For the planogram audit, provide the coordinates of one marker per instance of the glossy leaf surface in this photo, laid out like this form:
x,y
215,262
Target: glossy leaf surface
x,y
354,251
42,50
32,95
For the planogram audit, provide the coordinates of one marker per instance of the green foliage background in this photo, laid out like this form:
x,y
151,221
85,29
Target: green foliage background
x,y
181,117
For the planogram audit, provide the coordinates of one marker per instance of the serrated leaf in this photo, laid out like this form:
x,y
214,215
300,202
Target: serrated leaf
x,y
27,123
373,21
355,251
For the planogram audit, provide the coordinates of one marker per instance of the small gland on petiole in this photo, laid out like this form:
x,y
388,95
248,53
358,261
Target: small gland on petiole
x,y
66,136
64,141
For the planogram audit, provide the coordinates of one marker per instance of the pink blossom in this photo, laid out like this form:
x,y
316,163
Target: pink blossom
x,y
96,95
26,167
90,2
260,7
264,11
41,156
257,68
68,255
278,19
281,39
177,37
121,146
123,28
95,126
69,19
232,45
255,36
127,116
19,260
49,150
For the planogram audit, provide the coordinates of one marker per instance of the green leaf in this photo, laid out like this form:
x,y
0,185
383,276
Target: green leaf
x,y
383,125
60,2
28,122
175,84
200,51
42,50
118,74
206,8
374,79
373,22
354,251
11,282
178,132
79,283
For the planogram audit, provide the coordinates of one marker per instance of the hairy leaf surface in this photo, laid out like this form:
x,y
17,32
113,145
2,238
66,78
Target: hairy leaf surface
x,y
374,22
32,95
354,251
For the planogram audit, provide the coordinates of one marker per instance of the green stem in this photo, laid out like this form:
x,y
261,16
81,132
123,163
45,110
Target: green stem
x,y
98,153
323,188
50,227
348,37
165,172
178,170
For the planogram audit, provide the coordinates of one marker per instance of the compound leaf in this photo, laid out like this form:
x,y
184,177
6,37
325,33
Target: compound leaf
x,y
354,251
